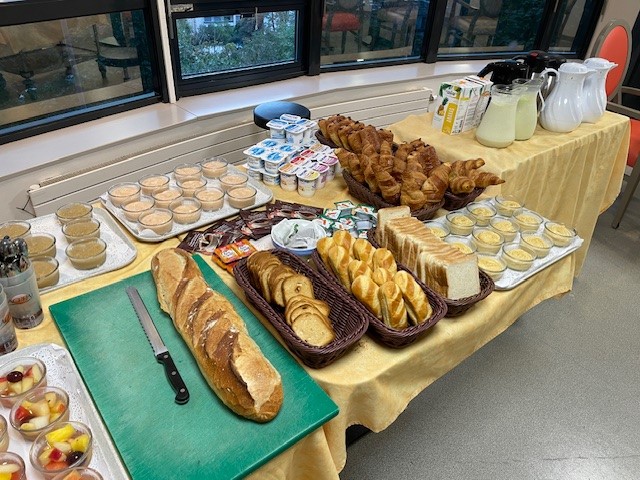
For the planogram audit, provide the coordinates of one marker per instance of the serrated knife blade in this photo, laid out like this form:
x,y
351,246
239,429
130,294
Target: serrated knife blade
x,y
159,349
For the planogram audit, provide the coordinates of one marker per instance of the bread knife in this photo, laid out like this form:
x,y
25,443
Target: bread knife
x,y
159,349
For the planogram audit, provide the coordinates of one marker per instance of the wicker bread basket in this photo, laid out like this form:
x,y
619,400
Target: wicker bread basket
x,y
377,328
456,308
364,194
454,202
348,323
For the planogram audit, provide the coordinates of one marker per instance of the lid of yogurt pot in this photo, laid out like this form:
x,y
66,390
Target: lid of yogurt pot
x,y
270,143
289,117
309,175
273,157
255,151
288,168
275,123
294,128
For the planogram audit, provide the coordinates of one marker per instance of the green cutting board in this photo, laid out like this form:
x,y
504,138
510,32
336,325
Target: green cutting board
x,y
158,439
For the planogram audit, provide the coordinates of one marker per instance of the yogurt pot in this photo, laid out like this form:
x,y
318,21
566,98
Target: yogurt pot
x,y
213,167
295,134
307,182
276,128
256,174
311,129
270,143
269,179
272,162
300,161
288,150
333,164
254,155
290,118
323,170
288,177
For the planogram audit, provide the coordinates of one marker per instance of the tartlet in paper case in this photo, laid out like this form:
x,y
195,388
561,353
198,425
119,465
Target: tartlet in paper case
x,y
297,236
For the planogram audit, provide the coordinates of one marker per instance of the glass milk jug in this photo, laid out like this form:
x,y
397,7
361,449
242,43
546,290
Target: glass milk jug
x,y
594,98
527,110
498,125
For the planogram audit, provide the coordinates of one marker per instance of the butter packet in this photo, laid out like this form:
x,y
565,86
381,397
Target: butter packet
x,y
346,207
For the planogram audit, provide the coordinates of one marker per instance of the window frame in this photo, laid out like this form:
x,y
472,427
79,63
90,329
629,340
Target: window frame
x,y
32,11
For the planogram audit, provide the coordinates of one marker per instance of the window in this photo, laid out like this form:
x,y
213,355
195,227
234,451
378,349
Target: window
x,y
62,71
218,47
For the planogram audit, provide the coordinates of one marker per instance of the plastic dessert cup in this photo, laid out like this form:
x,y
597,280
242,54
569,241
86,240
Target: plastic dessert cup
x,y
527,220
158,220
440,230
163,198
187,171
505,226
214,167
487,240
211,198
83,228
11,464
232,180
41,245
536,243
492,265
190,186
42,408
507,204
133,210
242,197
516,257
19,377
186,210
464,244
123,193
80,473
15,229
153,183
460,223
560,234
74,211
482,212
61,448
87,253
47,271
4,434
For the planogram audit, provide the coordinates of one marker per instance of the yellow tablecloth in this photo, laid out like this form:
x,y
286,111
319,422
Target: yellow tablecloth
x,y
373,384
569,177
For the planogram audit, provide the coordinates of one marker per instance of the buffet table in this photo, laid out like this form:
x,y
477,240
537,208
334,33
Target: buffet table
x,y
566,177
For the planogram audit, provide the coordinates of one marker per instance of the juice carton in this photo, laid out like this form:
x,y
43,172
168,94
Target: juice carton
x,y
483,101
455,98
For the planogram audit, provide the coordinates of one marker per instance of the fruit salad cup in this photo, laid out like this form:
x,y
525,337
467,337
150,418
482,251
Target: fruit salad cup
x,y
12,467
81,473
61,448
19,377
4,435
35,412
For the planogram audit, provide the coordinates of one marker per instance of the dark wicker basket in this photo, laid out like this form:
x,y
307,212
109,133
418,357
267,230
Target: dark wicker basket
x,y
324,140
348,324
456,308
454,202
377,328
364,194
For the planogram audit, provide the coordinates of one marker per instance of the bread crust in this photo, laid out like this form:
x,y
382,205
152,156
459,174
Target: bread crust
x,y
231,362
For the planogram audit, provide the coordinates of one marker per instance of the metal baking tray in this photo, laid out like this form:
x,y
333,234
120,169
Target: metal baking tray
x,y
62,372
263,196
120,251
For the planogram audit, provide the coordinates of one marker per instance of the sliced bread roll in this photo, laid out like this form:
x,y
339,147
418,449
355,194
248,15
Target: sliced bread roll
x,y
366,291
415,300
394,312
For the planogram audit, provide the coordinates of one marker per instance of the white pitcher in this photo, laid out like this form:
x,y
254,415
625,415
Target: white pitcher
x,y
594,98
562,110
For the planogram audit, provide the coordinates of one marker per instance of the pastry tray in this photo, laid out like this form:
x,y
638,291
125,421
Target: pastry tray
x,y
120,250
62,372
263,196
512,278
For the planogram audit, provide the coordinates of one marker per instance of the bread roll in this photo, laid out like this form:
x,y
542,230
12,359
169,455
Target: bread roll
x,y
228,358
383,258
357,268
339,262
366,291
343,239
382,275
322,246
394,313
363,250
415,300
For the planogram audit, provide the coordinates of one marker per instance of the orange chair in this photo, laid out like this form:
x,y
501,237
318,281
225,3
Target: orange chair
x,y
614,44
343,16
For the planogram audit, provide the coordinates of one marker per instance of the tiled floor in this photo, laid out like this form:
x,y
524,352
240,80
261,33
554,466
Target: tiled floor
x,y
554,397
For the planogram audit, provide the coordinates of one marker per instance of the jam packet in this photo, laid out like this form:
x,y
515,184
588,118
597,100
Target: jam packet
x,y
293,210
257,224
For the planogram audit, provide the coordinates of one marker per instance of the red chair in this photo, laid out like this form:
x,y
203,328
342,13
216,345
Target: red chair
x,y
343,16
614,44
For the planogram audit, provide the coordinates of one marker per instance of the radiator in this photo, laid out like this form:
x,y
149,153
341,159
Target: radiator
x,y
385,107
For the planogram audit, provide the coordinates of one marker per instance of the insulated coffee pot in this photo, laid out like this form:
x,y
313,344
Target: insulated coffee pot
x,y
506,71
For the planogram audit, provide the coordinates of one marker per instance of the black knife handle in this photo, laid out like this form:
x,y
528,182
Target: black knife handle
x,y
182,394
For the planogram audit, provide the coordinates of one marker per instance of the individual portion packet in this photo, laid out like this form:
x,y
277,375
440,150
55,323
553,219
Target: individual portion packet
x,y
222,232
228,256
293,210
258,224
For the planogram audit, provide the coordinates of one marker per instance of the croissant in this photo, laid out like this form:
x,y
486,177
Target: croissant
x,y
485,179
370,136
355,142
389,186
403,151
437,183
332,131
322,125
414,199
369,172
355,168
343,134
461,184
385,135
399,166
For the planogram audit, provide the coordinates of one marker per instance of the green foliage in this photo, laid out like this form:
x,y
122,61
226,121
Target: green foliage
x,y
214,48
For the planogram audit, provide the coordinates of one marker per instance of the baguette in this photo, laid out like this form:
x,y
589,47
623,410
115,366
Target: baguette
x,y
230,361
